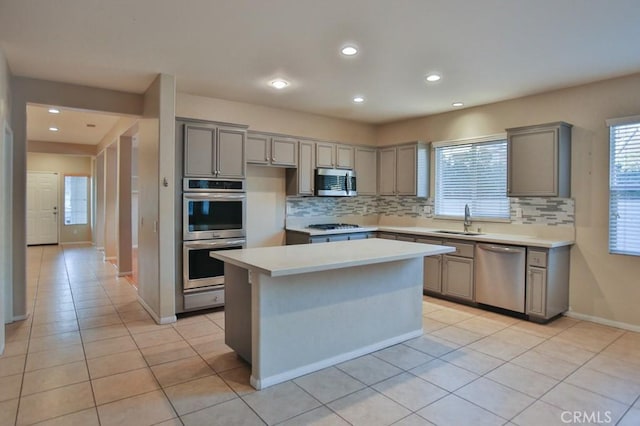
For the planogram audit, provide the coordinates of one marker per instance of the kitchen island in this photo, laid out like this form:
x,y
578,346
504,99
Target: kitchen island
x,y
292,310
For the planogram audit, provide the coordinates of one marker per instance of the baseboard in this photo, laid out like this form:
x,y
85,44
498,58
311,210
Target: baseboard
x,y
75,242
603,321
164,320
20,317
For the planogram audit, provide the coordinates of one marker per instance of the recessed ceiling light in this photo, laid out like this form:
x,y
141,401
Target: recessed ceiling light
x,y
349,50
279,83
53,129
358,99
457,104
433,77
54,111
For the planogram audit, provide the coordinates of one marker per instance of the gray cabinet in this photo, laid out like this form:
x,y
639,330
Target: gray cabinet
x,y
272,150
366,168
331,155
295,237
547,282
432,278
300,180
404,170
211,150
457,271
539,160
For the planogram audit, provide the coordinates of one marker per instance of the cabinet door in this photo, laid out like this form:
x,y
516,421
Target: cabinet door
x,y
339,237
230,159
386,236
406,170
258,149
366,167
284,152
319,239
344,157
325,155
358,236
198,150
432,280
536,291
306,165
387,172
533,163
457,277
405,238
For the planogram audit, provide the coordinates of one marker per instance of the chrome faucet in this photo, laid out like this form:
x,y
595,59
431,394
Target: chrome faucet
x,y
467,218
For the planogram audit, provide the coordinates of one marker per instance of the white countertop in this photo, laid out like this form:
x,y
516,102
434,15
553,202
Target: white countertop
x,y
303,258
515,239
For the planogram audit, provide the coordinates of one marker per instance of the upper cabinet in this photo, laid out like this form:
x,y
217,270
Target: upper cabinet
x,y
300,180
404,170
539,160
334,156
213,150
366,166
272,150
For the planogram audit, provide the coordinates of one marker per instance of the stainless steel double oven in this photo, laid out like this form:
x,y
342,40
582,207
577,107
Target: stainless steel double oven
x,y
213,218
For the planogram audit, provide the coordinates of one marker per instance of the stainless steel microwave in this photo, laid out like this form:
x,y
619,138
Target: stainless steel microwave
x,y
335,183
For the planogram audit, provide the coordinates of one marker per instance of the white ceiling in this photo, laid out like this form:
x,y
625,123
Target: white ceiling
x,y
71,124
486,50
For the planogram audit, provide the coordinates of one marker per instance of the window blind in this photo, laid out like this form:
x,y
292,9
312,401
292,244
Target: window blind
x,y
75,200
473,174
624,189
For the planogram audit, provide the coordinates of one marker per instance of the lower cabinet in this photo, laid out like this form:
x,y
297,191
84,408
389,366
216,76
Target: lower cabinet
x,y
547,282
295,237
457,277
432,278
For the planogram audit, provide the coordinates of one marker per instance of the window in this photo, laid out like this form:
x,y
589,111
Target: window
x,y
624,186
75,200
472,172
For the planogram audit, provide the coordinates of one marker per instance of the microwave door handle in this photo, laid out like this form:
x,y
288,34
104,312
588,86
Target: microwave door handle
x,y
346,183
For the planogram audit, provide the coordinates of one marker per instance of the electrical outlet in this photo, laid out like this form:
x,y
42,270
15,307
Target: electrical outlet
x,y
414,209
519,213
426,209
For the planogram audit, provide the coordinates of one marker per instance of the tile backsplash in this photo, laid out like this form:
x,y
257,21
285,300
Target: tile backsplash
x,y
524,211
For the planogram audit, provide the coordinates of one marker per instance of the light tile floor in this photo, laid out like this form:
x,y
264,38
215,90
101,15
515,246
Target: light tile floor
x,y
89,354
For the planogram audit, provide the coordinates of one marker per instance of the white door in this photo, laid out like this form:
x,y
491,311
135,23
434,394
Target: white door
x,y
42,208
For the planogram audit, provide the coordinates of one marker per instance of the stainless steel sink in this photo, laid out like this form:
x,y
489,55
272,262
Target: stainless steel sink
x,y
446,231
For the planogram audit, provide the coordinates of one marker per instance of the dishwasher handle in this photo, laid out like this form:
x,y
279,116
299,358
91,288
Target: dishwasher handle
x,y
501,249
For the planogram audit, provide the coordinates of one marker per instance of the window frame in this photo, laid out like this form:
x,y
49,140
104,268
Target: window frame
x,y
499,137
611,244
88,199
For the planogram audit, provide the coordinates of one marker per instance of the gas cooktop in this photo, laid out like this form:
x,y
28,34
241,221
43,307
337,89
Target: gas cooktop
x,y
331,226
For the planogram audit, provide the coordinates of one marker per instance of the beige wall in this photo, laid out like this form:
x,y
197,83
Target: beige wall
x,y
602,285
70,165
268,119
266,199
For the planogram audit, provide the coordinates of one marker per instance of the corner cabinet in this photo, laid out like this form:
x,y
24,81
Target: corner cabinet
x,y
547,282
213,150
404,170
539,160
366,166
272,150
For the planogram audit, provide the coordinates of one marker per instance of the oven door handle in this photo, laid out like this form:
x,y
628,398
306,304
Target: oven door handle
x,y
213,245
208,196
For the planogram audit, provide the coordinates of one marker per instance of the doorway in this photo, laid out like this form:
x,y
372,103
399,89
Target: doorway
x,y
42,208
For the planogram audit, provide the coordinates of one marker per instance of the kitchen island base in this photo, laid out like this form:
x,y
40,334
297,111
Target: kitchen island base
x,y
289,326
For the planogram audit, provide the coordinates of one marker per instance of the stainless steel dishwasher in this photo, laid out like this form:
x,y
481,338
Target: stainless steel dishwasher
x,y
500,276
